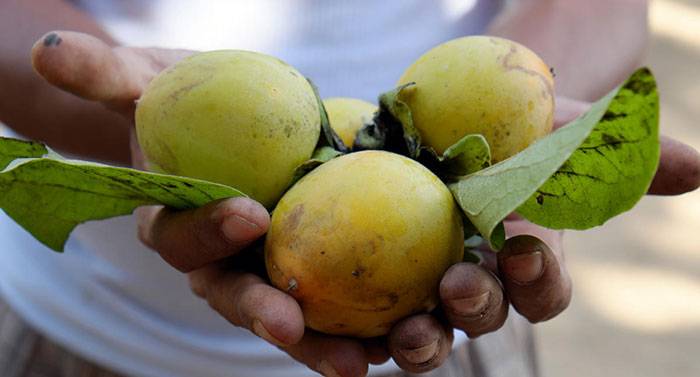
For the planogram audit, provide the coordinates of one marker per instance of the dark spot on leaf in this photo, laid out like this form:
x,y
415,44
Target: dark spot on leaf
x,y
52,40
612,140
323,253
610,116
540,199
641,84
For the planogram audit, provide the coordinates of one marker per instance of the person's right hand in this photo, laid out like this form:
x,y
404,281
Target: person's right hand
x,y
205,242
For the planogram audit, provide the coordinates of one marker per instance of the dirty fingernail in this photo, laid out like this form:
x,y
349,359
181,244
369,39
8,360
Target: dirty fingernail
x,y
262,332
524,268
421,355
327,369
52,40
239,230
470,306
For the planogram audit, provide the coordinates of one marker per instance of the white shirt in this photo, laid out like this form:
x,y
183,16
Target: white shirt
x,y
114,301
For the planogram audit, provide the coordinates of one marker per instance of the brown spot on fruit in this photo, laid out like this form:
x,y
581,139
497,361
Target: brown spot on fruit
x,y
393,298
292,221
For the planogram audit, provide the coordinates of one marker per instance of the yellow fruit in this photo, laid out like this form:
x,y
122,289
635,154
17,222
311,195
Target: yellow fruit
x,y
485,85
347,116
363,241
239,118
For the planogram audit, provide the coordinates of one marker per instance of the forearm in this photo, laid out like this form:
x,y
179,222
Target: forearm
x,y
39,111
591,44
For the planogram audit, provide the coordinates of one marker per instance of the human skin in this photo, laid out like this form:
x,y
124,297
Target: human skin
x,y
205,242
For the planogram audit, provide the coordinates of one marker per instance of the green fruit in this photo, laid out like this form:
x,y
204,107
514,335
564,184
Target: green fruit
x,y
363,241
239,118
480,85
347,116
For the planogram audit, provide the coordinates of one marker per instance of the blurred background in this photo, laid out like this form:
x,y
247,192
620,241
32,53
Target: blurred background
x,y
636,304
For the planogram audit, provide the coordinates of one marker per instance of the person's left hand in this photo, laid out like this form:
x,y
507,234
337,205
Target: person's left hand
x,y
529,273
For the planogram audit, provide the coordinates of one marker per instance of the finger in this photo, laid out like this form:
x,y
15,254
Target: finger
x,y
330,356
376,351
473,299
86,66
679,169
245,300
535,281
419,343
191,239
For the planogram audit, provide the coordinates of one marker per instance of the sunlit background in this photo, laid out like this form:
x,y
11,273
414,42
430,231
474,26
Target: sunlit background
x,y
636,305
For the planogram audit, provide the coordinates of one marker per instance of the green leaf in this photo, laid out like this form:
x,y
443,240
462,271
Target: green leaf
x,y
470,255
489,195
497,238
469,155
389,103
611,170
320,156
12,149
50,196
328,135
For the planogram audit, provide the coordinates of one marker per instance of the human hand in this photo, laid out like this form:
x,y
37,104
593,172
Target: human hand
x,y
206,242
529,273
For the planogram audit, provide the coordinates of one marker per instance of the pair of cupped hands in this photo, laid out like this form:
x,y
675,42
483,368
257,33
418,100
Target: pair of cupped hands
x,y
529,273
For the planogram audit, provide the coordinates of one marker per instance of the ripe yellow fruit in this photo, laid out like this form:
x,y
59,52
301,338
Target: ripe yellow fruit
x,y
362,241
347,116
485,85
234,117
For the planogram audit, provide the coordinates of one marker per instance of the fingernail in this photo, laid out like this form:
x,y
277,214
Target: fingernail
x,y
524,268
327,369
470,306
421,355
262,332
238,230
